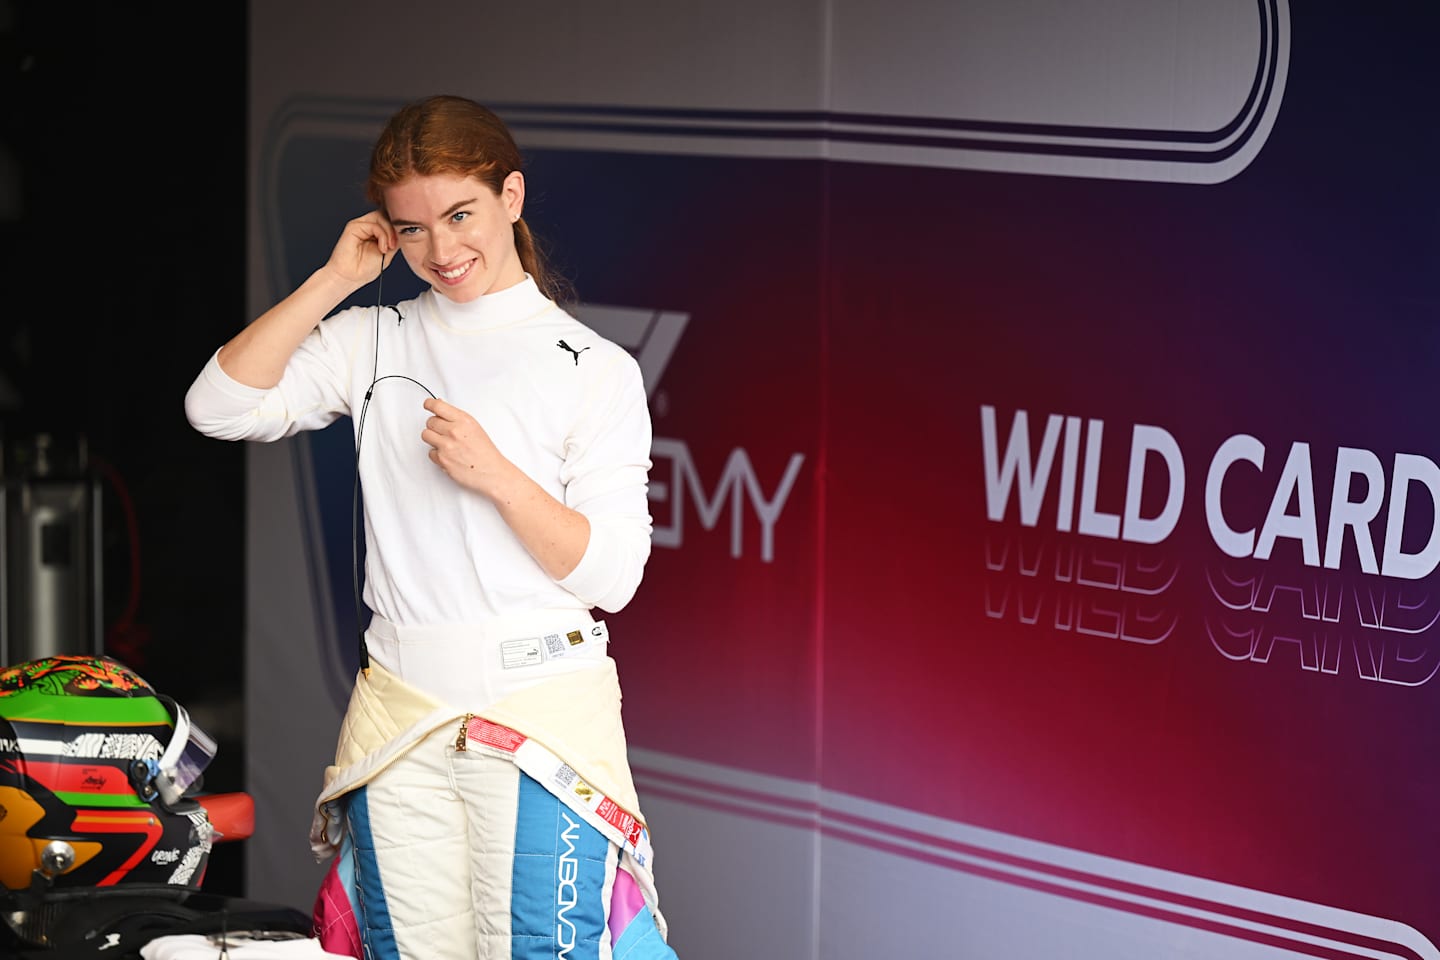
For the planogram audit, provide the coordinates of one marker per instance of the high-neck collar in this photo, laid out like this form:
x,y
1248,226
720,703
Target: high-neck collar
x,y
490,312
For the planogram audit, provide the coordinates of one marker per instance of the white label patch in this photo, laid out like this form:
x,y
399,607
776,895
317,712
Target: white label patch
x,y
521,653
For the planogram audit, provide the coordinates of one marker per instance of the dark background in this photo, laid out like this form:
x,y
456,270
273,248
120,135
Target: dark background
x,y
124,147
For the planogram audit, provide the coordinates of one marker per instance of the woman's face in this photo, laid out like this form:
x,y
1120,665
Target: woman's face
x,y
456,234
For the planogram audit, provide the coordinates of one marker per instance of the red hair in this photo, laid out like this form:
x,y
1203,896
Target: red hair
x,y
445,134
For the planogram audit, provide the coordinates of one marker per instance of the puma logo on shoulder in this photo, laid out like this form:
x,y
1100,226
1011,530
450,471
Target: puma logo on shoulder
x,y
565,346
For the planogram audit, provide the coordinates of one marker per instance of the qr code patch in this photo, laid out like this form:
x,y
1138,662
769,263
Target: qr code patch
x,y
554,644
565,776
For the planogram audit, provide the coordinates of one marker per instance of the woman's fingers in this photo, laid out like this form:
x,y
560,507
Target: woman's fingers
x,y
443,410
365,247
460,446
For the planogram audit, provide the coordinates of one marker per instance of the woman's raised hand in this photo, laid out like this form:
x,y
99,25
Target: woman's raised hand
x,y
363,250
257,355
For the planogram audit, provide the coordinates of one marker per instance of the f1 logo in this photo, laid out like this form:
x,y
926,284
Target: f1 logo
x,y
651,336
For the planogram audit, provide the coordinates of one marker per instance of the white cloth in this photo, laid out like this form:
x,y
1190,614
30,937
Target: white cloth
x,y
572,417
193,946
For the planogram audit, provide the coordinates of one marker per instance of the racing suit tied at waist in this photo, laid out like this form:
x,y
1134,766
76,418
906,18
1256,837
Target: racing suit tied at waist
x,y
564,731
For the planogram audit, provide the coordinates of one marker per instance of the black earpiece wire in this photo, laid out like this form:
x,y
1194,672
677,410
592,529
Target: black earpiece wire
x,y
375,378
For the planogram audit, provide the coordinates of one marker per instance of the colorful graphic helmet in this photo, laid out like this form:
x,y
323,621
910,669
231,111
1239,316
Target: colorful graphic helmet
x,y
94,770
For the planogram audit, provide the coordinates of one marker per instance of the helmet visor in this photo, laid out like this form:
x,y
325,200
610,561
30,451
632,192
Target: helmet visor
x,y
185,758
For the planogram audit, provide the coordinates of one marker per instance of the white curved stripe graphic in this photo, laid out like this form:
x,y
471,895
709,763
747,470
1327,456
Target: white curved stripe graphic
x,y
871,849
1185,92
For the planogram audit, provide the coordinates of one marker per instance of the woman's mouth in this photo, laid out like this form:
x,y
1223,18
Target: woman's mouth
x,y
453,275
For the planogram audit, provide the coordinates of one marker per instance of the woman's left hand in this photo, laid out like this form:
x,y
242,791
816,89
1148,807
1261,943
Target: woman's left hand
x,y
462,448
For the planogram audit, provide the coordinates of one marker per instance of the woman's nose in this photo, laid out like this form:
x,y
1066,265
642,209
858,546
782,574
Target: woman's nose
x,y
442,245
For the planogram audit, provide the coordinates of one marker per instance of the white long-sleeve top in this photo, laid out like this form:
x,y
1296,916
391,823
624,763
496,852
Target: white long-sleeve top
x,y
572,417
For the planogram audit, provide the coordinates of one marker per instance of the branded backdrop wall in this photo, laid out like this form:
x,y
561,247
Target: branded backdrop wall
x,y
1044,485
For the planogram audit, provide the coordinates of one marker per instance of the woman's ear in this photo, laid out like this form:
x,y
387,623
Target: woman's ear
x,y
512,192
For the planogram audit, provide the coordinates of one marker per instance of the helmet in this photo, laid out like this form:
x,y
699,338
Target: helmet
x,y
94,773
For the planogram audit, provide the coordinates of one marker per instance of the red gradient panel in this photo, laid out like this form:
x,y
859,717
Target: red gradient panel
x,y
717,652
1265,722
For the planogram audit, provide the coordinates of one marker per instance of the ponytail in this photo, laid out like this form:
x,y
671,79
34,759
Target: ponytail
x,y
533,260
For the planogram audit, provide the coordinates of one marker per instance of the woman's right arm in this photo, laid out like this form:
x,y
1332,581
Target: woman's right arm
x,y
287,371
257,355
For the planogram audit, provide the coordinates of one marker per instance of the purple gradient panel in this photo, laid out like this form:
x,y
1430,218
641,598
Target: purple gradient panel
x,y
981,670
716,651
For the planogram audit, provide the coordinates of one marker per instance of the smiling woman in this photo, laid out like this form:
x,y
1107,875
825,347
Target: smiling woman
x,y
498,513
451,141
457,234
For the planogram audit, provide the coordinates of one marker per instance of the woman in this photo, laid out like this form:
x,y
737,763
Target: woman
x,y
481,801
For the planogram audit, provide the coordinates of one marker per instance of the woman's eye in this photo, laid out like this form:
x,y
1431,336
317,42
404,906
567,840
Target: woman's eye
x,y
408,231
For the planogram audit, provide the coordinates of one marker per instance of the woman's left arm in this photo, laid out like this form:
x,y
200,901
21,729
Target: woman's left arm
x,y
555,535
596,543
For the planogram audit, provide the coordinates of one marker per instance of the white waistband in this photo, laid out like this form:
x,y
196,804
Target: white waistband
x,y
471,666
